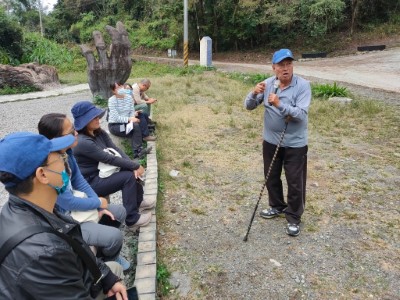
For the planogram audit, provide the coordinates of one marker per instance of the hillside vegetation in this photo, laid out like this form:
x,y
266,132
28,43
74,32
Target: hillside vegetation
x,y
155,25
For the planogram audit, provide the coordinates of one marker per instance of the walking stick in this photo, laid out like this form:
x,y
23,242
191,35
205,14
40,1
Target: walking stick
x,y
266,177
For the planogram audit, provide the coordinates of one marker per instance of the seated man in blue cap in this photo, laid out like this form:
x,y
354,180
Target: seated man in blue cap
x,y
286,98
52,262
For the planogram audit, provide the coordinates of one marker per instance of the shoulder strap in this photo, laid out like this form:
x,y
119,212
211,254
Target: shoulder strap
x,y
25,233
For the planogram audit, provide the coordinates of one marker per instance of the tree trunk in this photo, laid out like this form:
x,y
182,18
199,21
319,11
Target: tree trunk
x,y
112,68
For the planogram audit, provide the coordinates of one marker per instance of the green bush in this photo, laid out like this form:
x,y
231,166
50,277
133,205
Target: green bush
x,y
41,50
159,35
10,39
6,90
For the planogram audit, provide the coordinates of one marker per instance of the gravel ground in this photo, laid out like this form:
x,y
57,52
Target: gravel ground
x,y
25,115
349,245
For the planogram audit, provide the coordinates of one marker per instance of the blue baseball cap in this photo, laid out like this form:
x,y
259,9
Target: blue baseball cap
x,y
21,153
84,112
281,55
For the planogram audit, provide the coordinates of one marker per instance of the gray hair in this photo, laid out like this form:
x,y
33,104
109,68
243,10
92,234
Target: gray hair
x,y
145,82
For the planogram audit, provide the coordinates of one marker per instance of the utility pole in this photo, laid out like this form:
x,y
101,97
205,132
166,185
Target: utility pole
x,y
40,17
185,34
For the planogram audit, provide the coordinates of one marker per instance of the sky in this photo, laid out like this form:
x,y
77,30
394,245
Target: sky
x,y
49,3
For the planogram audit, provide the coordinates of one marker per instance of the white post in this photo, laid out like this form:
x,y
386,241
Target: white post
x,y
206,52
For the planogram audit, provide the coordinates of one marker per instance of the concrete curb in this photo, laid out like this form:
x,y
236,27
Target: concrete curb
x,y
145,278
43,94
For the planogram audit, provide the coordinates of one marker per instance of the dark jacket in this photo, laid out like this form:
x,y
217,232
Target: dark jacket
x,y
90,151
44,266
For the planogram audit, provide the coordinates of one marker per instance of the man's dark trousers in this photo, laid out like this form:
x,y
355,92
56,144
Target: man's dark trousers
x,y
294,163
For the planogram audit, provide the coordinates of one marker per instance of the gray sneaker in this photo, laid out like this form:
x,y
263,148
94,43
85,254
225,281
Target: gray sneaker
x,y
293,229
270,213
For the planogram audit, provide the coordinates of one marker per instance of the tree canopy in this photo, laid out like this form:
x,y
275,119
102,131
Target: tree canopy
x,y
232,24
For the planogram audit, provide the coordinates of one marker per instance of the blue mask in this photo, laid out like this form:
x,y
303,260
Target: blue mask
x,y
65,179
125,92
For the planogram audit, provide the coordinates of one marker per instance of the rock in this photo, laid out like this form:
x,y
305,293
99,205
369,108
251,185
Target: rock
x,y
34,75
174,173
343,100
181,283
276,263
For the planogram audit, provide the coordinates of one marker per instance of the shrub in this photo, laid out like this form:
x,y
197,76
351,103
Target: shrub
x,y
10,39
328,90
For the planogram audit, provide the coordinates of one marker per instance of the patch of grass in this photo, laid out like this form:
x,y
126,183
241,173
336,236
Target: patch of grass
x,y
7,90
162,276
198,211
144,69
72,78
247,78
350,215
328,90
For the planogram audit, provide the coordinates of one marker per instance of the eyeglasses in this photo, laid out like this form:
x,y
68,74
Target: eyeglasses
x,y
72,131
63,156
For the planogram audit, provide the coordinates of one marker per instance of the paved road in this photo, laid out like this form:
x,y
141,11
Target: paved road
x,y
378,70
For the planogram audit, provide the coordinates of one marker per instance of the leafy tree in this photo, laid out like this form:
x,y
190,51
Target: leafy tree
x,y
10,39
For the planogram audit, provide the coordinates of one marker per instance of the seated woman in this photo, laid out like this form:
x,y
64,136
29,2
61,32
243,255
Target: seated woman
x,y
121,112
107,240
90,151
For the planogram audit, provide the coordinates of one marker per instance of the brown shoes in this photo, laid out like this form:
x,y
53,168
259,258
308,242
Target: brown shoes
x,y
147,204
143,221
149,138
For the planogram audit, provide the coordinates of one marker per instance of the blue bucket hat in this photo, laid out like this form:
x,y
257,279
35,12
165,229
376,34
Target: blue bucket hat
x,y
281,55
84,112
21,153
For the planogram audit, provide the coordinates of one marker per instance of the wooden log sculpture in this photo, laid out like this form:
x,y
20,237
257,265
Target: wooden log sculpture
x,y
108,69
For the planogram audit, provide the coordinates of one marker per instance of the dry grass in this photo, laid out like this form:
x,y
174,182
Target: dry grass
x,y
205,133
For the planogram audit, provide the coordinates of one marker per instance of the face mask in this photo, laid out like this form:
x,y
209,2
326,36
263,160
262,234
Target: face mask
x,y
124,92
65,179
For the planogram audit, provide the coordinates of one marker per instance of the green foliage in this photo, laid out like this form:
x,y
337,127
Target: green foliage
x,y
248,78
100,101
162,276
323,15
41,50
143,69
159,34
328,90
6,90
10,39
82,31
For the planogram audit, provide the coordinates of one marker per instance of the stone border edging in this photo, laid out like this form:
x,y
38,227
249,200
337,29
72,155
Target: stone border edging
x,y
146,269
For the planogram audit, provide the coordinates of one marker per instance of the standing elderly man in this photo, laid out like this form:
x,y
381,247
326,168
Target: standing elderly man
x,y
286,98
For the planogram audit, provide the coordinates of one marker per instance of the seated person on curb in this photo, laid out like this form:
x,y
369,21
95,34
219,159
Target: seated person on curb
x,y
144,109
90,151
142,101
120,113
107,239
44,265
